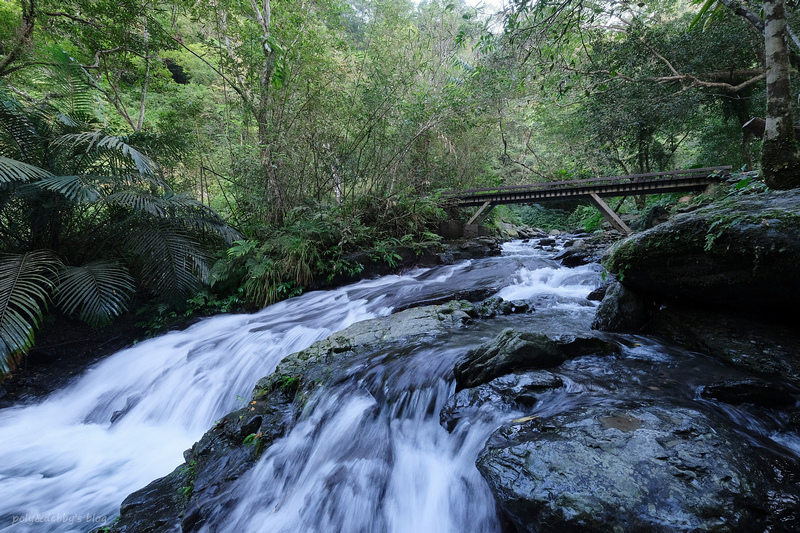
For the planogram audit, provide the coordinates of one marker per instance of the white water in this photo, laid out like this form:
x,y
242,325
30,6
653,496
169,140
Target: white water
x,y
66,463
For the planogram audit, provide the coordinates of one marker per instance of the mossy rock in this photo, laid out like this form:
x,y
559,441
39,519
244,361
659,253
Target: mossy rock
x,y
742,253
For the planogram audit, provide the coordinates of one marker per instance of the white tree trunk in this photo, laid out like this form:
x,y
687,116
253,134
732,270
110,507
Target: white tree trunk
x,y
780,157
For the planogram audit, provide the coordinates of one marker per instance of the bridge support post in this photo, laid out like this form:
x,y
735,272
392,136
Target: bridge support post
x,y
609,214
477,218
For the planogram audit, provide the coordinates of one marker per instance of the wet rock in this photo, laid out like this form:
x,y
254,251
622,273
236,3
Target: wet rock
x,y
513,391
475,248
497,306
766,348
573,346
576,255
152,509
469,295
546,242
648,468
509,351
526,232
513,351
599,293
621,310
231,448
756,392
741,253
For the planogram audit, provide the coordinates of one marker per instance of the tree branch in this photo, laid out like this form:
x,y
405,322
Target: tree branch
x,y
72,17
696,82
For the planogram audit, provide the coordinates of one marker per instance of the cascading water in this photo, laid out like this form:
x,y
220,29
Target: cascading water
x,y
370,456
66,463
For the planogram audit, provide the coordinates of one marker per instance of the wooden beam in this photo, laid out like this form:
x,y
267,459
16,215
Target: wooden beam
x,y
483,208
610,215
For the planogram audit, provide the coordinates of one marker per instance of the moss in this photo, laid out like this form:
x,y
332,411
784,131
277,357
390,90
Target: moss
x,y
188,473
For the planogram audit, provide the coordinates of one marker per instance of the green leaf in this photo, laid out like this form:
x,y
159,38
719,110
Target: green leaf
x,y
12,170
76,188
173,265
25,283
96,292
706,6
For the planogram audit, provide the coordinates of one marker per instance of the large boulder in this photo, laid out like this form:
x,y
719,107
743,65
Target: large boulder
x,y
740,254
517,391
646,468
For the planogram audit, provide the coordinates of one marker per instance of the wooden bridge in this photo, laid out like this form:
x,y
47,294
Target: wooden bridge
x,y
594,190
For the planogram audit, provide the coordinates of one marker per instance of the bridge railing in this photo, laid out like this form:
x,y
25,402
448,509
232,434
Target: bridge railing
x,y
688,173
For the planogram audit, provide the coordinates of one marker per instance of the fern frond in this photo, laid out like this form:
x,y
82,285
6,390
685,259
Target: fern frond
x,y
80,189
172,263
12,171
96,292
118,151
138,201
25,283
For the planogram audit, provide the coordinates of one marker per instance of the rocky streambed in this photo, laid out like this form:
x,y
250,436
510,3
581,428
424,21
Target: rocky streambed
x,y
508,414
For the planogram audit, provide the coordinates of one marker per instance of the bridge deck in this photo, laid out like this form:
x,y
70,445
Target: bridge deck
x,y
591,189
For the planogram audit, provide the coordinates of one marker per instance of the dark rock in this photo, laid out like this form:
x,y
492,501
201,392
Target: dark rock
x,y
513,351
548,241
755,346
470,295
741,253
756,392
515,307
577,259
572,346
509,351
656,468
514,391
152,509
497,306
599,293
621,310
576,254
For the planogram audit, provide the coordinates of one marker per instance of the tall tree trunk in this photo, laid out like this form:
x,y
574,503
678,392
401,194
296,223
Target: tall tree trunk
x,y
780,157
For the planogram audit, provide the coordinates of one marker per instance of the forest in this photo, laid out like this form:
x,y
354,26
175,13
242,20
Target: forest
x,y
165,157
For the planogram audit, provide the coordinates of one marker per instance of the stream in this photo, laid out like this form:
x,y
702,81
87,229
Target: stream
x,y
372,455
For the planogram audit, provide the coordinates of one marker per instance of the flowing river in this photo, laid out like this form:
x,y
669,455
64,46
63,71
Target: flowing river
x,y
372,456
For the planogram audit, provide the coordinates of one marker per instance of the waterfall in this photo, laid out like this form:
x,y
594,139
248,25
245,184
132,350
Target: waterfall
x,y
356,464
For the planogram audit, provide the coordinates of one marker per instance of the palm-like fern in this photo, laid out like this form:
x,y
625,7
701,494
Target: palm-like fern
x,y
83,213
25,282
96,292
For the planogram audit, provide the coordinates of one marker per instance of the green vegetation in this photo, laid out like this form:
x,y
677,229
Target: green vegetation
x,y
313,138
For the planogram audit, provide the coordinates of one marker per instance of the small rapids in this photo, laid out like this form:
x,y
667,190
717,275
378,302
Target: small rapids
x,y
369,456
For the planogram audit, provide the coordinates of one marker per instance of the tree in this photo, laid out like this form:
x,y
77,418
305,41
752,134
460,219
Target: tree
x,y
780,156
627,84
